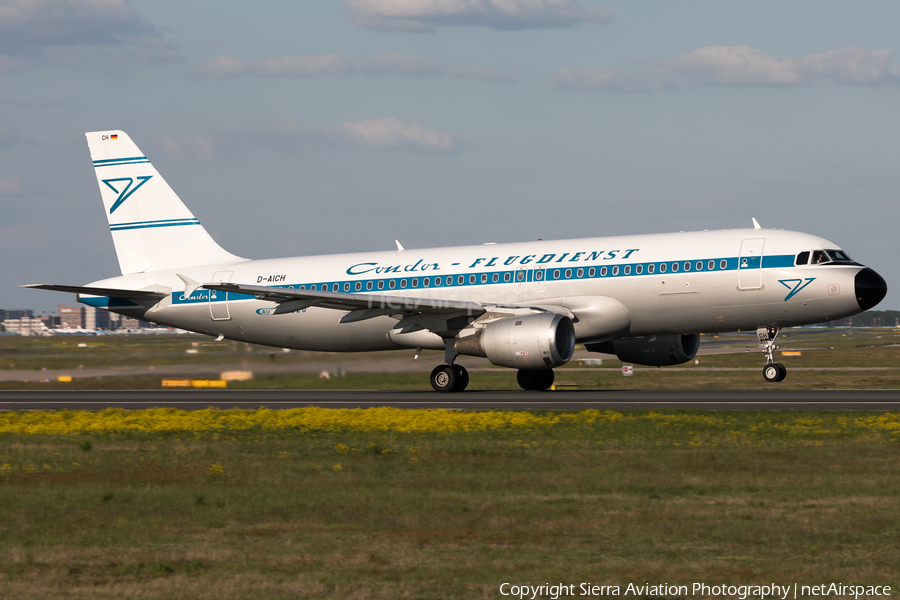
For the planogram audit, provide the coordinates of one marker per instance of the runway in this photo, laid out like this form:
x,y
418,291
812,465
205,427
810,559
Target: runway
x,y
559,400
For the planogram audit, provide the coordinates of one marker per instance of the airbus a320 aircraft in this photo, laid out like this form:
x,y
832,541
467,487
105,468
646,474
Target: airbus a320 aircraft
x,y
644,298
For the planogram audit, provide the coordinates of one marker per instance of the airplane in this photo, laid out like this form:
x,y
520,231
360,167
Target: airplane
x,y
644,298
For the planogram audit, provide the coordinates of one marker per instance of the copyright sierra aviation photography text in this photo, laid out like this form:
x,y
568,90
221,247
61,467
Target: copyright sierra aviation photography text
x,y
741,592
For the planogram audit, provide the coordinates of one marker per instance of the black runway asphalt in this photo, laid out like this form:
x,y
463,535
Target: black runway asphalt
x,y
563,400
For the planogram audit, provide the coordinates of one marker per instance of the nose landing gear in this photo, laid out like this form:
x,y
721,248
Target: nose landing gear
x,y
773,372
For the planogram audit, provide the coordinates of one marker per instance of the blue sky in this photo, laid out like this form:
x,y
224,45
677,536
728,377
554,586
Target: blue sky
x,y
318,127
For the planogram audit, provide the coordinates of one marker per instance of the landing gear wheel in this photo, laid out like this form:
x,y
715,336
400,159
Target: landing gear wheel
x,y
774,372
535,379
444,378
462,378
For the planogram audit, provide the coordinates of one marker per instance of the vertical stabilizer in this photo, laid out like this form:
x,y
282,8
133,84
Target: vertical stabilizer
x,y
151,228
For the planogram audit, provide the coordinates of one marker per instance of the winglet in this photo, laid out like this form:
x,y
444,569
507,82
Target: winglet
x,y
755,223
399,247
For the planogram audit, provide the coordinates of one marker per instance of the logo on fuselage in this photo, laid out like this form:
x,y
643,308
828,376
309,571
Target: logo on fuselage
x,y
126,191
795,285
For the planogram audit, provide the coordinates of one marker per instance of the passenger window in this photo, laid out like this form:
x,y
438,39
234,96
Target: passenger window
x,y
651,268
506,277
580,272
460,280
358,286
615,270
484,278
427,281
368,285
802,258
520,276
538,274
471,279
699,265
392,284
415,283
437,281
313,287
568,273
450,280
335,287
556,274
602,271
711,265
592,271
819,257
674,267
381,284
495,277
687,266
628,269
302,287
639,269
723,264
403,283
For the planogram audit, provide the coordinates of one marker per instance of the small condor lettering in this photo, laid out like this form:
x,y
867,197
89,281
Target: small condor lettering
x,y
271,278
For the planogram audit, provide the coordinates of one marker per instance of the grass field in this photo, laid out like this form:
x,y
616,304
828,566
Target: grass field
x,y
838,357
388,503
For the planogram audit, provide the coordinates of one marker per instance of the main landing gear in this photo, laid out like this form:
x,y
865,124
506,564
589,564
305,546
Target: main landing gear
x,y
535,379
449,378
773,371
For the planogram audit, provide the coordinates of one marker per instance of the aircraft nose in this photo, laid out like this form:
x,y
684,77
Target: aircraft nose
x,y
870,288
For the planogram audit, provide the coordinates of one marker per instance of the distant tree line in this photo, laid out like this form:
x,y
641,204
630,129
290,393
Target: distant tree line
x,y
870,318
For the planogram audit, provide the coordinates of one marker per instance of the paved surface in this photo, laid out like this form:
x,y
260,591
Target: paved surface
x,y
710,399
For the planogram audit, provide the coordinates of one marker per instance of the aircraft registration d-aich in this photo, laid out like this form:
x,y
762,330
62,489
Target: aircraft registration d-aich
x,y
644,298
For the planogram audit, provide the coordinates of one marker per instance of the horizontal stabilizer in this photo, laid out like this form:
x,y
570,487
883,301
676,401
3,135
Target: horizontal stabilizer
x,y
97,291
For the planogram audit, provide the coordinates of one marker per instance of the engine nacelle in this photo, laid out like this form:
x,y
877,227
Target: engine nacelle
x,y
536,341
652,350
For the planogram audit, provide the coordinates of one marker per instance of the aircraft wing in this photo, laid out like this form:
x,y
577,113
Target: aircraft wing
x,y
361,306
98,291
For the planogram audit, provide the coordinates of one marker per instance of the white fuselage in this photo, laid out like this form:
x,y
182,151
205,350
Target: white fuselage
x,y
709,281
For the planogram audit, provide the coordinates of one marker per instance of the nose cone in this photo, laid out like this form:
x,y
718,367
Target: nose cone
x,y
870,288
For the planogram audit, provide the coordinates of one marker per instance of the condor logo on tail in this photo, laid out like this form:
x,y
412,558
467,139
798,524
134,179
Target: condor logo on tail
x,y
126,191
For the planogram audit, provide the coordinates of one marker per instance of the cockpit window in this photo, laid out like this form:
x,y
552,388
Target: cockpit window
x,y
819,257
802,258
838,256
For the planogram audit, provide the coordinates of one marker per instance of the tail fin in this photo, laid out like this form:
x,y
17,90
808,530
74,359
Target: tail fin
x,y
151,228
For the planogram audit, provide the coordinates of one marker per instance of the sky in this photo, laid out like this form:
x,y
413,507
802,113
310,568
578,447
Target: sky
x,y
305,128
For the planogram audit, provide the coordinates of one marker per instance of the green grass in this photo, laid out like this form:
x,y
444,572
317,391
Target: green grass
x,y
722,497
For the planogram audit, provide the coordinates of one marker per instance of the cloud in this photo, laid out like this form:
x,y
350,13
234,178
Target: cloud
x,y
426,15
736,66
187,147
394,133
398,65
77,33
377,134
10,186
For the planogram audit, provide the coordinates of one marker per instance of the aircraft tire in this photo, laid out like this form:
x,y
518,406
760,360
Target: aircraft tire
x,y
535,379
462,378
774,373
782,371
444,379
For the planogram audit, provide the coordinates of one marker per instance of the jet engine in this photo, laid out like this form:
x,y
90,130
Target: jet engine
x,y
537,341
652,350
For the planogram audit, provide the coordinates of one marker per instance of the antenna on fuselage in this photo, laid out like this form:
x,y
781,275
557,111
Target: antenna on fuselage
x,y
755,223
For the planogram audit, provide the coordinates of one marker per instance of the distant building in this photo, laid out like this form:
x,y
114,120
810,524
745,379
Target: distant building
x,y
26,326
71,317
15,313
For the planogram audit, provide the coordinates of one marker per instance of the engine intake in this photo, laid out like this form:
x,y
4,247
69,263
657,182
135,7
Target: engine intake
x,y
653,350
529,342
